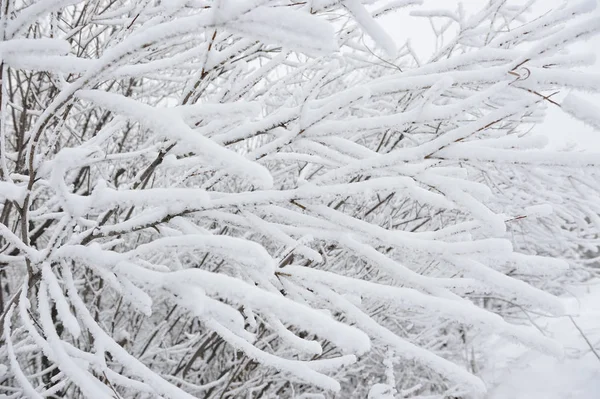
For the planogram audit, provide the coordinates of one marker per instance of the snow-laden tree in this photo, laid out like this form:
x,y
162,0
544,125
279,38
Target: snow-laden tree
x,y
267,198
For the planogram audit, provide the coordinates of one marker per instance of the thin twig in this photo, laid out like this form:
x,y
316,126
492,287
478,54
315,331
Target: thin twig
x,y
585,338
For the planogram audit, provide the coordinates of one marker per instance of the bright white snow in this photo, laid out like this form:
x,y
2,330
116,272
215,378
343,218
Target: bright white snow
x,y
515,372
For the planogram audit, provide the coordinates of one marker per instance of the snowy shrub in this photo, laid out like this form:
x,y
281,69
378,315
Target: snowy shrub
x,y
267,198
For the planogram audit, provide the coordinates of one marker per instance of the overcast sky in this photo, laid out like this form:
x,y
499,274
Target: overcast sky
x,y
561,129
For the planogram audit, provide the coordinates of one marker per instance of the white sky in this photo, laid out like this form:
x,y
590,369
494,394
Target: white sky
x,y
561,129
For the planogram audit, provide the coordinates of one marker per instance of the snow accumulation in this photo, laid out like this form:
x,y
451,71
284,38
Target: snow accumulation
x,y
514,372
240,198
